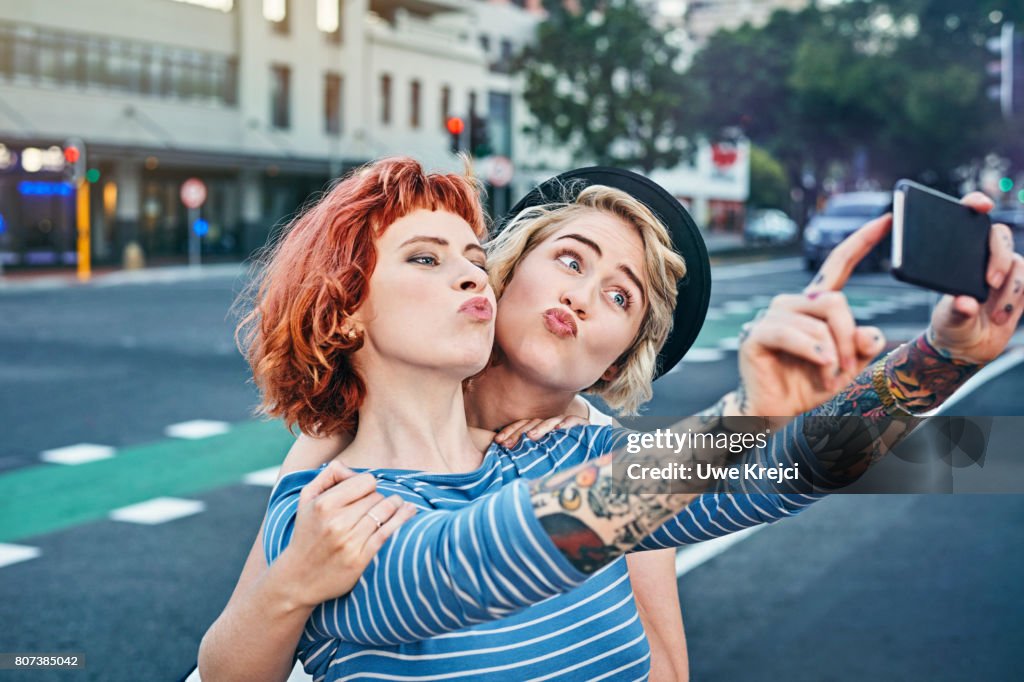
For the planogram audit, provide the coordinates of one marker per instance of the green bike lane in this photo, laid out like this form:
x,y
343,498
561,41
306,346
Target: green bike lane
x,y
51,497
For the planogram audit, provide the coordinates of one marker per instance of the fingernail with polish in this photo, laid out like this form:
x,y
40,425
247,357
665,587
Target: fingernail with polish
x,y
813,295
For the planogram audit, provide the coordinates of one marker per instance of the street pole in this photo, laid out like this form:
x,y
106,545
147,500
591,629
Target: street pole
x,y
193,239
84,231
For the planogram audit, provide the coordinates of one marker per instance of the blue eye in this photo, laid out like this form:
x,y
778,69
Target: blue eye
x,y
571,260
623,299
423,260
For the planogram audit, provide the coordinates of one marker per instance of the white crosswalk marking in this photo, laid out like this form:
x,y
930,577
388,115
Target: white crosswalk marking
x,y
737,307
703,355
266,477
158,510
731,343
13,554
197,428
77,454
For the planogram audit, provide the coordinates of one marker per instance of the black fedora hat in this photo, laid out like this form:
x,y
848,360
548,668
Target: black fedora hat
x,y
694,291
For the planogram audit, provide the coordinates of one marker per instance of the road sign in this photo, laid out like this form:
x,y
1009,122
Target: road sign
x,y
201,227
193,193
500,170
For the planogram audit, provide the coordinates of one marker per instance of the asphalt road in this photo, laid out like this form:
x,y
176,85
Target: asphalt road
x,y
882,587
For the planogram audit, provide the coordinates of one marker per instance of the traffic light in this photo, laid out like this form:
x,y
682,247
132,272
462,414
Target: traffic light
x,y
479,142
75,166
1007,70
455,126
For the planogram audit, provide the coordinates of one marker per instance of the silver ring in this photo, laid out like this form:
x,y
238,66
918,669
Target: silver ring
x,y
375,519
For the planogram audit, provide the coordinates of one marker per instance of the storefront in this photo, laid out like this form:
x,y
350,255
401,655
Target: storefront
x,y
37,207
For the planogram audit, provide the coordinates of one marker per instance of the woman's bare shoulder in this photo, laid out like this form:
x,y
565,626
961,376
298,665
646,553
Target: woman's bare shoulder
x,y
308,452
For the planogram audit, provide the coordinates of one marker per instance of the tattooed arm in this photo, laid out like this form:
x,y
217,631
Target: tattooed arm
x,y
919,376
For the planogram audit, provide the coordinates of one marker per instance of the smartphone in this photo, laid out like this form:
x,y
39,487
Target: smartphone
x,y
937,242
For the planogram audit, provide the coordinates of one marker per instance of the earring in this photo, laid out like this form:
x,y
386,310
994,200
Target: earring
x,y
352,334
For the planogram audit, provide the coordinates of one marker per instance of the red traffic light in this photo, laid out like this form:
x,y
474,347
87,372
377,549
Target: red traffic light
x,y
455,125
72,154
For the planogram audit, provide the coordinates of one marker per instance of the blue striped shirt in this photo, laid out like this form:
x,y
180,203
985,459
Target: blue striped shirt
x,y
445,597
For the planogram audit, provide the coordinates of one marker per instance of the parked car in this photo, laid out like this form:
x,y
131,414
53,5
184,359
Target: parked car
x,y
843,214
769,226
1014,219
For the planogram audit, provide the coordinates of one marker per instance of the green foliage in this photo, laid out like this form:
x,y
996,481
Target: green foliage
x,y
902,80
601,81
769,186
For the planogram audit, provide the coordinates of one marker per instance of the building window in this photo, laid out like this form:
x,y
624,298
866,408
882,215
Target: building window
x,y
71,59
446,104
328,18
414,104
485,43
276,12
385,99
280,94
332,104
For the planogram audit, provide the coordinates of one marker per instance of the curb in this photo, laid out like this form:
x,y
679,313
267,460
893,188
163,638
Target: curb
x,y
154,275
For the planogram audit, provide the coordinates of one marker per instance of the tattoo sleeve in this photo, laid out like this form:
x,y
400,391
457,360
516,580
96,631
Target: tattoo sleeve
x,y
595,516
920,378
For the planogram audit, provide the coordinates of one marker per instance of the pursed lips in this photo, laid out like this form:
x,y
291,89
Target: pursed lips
x,y
479,308
560,323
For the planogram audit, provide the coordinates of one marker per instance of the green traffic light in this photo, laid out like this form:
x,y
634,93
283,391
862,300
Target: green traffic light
x,y
1005,184
93,175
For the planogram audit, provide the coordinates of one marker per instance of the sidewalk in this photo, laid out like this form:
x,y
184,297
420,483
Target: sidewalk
x,y
727,246
34,280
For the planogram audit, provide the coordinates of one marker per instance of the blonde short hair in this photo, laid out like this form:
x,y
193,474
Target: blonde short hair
x,y
631,387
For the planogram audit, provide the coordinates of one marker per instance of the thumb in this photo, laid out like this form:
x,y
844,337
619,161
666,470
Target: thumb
x,y
334,473
966,306
870,341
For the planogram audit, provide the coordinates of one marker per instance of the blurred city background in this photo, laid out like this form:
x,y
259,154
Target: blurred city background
x,y
149,147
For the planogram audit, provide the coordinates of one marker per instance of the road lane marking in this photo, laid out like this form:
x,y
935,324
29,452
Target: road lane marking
x,y
729,343
692,556
265,477
81,453
740,307
158,510
1004,363
197,428
13,554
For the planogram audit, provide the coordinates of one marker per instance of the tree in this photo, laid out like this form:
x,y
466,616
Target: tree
x,y
769,186
601,81
896,84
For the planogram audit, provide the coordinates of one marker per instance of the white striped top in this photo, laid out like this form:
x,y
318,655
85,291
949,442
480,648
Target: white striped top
x,y
446,596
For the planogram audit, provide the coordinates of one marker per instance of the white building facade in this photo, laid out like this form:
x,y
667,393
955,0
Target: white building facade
x,y
265,101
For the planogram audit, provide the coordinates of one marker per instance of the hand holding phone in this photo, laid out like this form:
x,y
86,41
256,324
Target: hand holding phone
x,y
972,332
938,242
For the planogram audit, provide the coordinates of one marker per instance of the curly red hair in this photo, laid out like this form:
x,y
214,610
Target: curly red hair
x,y
317,274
